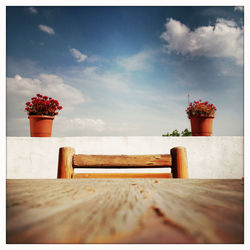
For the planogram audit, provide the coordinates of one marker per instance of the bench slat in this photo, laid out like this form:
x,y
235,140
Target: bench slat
x,y
122,175
119,161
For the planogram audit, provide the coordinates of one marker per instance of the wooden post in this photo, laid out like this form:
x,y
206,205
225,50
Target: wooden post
x,y
179,162
65,168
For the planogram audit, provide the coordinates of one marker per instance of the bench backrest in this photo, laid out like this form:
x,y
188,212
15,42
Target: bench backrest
x,y
68,161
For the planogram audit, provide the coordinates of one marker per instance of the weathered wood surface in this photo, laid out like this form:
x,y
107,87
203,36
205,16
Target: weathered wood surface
x,y
125,211
122,160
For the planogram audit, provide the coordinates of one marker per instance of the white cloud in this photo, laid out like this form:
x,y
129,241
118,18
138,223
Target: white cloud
x,y
228,69
94,79
90,70
239,8
224,39
79,126
33,10
62,126
46,29
69,122
20,90
137,62
78,55
95,58
107,80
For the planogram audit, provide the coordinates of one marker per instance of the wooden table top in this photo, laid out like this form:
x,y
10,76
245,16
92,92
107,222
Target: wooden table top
x,y
125,211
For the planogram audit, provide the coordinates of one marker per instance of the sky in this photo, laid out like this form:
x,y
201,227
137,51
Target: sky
x,y
125,71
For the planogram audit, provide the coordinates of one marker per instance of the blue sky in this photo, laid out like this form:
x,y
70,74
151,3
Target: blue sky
x,y
125,70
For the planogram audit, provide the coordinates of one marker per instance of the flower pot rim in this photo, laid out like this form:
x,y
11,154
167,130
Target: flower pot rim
x,y
41,116
201,116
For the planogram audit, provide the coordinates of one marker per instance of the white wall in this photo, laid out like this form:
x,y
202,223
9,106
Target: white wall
x,y
208,157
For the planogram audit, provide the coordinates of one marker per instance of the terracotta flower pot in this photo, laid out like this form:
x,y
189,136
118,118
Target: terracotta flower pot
x,y
201,125
40,125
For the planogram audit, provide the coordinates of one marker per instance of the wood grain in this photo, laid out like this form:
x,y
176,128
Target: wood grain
x,y
125,211
121,175
65,168
118,161
179,158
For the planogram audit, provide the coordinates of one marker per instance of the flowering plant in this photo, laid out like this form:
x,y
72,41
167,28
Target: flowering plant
x,y
42,105
199,108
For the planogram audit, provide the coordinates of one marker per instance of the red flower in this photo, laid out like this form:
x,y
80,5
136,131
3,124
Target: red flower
x,y
42,105
198,108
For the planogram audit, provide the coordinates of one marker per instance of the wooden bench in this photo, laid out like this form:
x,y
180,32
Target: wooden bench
x,y
68,161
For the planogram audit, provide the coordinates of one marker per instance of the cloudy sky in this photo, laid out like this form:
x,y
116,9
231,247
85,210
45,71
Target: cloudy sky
x,y
125,71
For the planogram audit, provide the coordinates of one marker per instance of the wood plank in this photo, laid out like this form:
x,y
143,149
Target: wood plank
x,y
125,211
122,160
121,175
